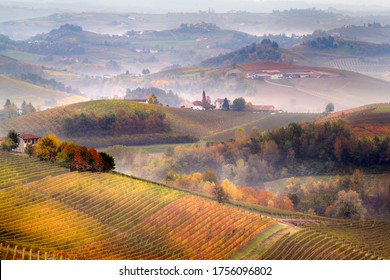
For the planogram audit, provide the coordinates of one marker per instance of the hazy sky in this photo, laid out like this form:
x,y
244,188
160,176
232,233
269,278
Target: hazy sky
x,y
195,5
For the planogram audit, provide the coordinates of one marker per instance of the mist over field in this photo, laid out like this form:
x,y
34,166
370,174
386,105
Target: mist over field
x,y
202,130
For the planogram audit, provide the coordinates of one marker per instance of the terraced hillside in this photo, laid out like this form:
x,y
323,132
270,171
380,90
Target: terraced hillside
x,y
49,213
212,125
105,216
365,240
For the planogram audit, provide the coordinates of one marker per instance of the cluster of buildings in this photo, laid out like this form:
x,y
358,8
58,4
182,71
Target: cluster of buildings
x,y
277,74
206,104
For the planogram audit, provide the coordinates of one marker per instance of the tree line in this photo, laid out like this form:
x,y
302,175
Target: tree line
x,y
296,150
266,50
119,123
70,155
51,83
11,110
166,98
347,197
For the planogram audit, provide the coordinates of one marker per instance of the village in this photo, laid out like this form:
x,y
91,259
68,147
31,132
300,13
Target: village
x,y
239,104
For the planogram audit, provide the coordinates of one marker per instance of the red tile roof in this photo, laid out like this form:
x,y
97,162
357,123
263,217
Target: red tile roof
x,y
28,136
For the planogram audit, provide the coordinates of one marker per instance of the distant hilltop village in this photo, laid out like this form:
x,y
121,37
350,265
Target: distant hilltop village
x,y
239,104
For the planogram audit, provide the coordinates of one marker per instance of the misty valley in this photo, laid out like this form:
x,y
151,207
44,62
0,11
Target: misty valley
x,y
194,135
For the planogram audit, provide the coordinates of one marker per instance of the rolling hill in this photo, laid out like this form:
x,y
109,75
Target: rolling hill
x,y
210,125
357,56
315,87
86,52
370,120
374,33
70,215
17,91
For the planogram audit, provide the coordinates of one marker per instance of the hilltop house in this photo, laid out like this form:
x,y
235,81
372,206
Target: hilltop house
x,y
219,103
205,104
24,140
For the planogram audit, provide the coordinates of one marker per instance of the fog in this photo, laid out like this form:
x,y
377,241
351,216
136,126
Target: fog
x,y
221,6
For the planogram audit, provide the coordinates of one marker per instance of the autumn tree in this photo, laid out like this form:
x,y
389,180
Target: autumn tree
x,y
65,155
47,148
349,206
6,144
210,176
240,136
83,159
96,161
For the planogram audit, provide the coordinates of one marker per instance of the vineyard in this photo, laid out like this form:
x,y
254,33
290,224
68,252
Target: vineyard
x,y
49,213
358,65
365,240
105,216
369,120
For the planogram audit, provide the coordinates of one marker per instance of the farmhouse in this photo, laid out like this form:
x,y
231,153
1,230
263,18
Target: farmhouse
x,y
24,140
205,104
219,103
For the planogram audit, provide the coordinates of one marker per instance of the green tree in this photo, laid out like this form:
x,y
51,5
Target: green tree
x,y
329,108
7,103
29,150
152,99
108,162
13,136
239,104
225,105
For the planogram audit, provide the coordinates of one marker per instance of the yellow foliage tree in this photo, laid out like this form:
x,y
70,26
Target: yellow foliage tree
x,y
47,147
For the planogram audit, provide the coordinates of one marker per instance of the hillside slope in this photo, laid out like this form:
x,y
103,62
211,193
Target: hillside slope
x,y
81,216
17,91
85,212
370,120
315,87
206,124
